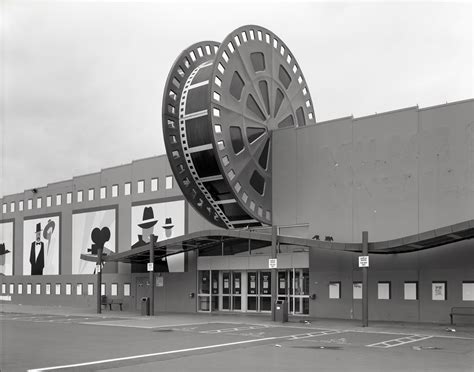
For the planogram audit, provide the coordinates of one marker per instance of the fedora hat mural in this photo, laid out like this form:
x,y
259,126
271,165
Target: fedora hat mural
x,y
168,224
149,219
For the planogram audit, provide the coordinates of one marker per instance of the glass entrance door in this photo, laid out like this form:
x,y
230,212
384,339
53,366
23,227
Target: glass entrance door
x,y
293,286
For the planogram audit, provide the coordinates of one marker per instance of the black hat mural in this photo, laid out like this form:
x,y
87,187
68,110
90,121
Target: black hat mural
x,y
149,219
168,224
38,227
3,250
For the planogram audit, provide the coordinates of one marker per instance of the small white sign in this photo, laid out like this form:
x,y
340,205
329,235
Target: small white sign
x,y
150,266
272,263
159,282
363,261
97,268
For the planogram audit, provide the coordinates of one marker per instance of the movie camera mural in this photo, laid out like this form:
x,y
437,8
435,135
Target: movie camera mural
x,y
91,230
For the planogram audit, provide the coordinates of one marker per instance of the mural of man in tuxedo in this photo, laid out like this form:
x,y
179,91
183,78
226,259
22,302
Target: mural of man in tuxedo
x,y
37,253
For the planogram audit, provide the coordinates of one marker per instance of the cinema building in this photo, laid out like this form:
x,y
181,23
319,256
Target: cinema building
x,y
255,201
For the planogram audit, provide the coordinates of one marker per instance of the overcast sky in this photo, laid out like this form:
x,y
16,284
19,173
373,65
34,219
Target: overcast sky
x,y
82,82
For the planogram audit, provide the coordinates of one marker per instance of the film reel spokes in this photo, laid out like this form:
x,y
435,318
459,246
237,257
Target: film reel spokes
x,y
229,106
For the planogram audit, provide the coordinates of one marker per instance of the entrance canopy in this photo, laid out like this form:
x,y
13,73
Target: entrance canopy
x,y
212,242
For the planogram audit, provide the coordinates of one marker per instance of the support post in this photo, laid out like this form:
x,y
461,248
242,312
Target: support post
x,y
274,272
98,270
151,276
365,283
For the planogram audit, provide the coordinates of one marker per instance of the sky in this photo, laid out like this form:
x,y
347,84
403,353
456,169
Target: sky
x,y
81,83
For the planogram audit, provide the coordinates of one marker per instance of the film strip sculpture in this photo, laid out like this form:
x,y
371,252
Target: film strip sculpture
x,y
220,106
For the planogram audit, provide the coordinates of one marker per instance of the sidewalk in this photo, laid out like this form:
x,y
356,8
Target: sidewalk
x,y
134,319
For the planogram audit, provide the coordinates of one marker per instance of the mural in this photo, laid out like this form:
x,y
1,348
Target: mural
x,y
41,246
91,230
165,221
6,248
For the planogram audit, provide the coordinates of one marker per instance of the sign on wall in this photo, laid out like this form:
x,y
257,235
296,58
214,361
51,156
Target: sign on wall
x,y
6,248
164,221
90,230
41,246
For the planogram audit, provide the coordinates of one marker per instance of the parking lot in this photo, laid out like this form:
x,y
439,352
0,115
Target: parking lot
x,y
42,342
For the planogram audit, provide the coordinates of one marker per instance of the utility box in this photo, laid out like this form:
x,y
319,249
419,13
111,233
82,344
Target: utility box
x,y
145,306
281,311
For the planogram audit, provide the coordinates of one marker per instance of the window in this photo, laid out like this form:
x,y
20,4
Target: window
x,y
30,203
12,207
113,289
102,289
48,201
438,291
154,184
411,291
68,289
141,186
169,182
12,288
468,291
28,288
103,192
91,194
4,288
126,289
128,187
334,289
79,289
357,290
383,291
79,196
69,198
38,288
19,288
114,191
90,289
58,289
58,199
38,203
20,205
4,208
47,289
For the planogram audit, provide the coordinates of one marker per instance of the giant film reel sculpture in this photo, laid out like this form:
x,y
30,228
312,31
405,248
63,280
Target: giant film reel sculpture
x,y
220,106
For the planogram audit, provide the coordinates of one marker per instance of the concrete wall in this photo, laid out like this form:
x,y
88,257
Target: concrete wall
x,y
451,263
393,174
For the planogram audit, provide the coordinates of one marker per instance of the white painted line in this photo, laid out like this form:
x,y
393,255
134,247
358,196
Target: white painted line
x,y
399,341
226,330
160,353
140,326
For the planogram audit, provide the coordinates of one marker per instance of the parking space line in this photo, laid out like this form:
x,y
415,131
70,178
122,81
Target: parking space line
x,y
235,329
165,353
399,341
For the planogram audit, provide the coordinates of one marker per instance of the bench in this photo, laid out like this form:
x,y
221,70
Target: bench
x,y
109,302
462,311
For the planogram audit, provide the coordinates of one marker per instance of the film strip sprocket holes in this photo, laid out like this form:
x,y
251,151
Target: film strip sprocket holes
x,y
228,107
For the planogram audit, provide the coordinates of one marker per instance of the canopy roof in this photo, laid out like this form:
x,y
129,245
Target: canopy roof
x,y
211,242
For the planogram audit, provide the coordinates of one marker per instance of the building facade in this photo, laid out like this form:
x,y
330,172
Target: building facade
x,y
392,174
